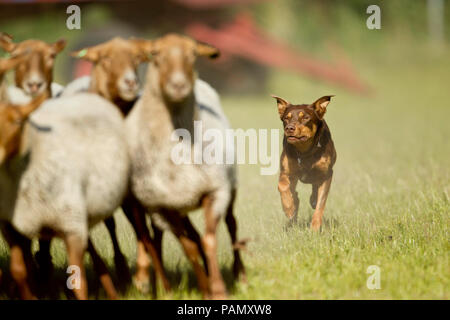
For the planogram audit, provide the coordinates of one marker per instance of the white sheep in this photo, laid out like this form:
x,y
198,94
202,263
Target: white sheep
x,y
68,172
117,83
170,101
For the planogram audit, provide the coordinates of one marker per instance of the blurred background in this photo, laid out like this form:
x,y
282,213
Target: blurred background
x,y
322,41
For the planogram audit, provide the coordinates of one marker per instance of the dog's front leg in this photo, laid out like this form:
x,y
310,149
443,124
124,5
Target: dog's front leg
x,y
289,197
322,195
286,185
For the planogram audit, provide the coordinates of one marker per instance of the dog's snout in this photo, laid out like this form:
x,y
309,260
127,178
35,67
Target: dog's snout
x,y
290,128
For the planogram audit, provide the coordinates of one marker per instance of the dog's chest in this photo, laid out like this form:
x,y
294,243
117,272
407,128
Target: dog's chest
x,y
311,169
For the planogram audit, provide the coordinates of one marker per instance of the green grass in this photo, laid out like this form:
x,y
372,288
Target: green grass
x,y
388,205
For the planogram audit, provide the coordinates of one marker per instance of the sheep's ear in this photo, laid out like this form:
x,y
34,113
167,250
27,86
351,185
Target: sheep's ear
x,y
6,42
320,105
146,48
203,49
281,104
59,45
8,64
91,54
12,62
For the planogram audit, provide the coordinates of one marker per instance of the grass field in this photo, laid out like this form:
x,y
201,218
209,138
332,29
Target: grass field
x,y
388,205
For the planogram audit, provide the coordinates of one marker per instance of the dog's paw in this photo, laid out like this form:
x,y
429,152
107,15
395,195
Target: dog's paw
x,y
315,225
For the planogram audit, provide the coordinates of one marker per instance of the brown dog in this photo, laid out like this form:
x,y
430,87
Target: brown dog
x,y
308,155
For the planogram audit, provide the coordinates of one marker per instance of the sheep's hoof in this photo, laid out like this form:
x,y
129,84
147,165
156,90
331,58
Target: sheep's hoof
x,y
143,286
218,291
218,296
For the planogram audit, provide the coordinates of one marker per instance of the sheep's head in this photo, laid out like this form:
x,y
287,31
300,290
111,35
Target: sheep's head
x,y
35,74
174,57
115,67
12,119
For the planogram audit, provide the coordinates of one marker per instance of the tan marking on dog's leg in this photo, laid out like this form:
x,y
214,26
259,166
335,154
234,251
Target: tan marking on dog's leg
x,y
289,197
322,196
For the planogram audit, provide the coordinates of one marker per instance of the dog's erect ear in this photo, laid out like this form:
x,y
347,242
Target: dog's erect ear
x,y
320,106
6,42
282,105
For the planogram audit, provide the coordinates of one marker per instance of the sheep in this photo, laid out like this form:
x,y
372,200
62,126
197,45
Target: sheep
x,y
17,246
115,63
114,77
34,75
168,102
68,171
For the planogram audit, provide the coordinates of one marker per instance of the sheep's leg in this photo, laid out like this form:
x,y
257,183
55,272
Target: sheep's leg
x,y
193,234
157,239
141,278
238,266
44,261
216,284
75,250
120,262
19,271
190,248
136,215
102,272
20,260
